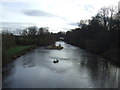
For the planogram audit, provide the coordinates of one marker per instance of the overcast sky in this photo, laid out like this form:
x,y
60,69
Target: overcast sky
x,y
58,15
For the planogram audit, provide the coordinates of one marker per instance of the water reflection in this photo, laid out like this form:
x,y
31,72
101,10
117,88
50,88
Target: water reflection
x,y
76,69
101,73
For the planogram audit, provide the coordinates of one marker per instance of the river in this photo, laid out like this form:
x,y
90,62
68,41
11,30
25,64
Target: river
x,y
76,69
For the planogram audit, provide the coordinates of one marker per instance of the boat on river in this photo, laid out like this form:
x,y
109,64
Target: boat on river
x,y
55,61
54,47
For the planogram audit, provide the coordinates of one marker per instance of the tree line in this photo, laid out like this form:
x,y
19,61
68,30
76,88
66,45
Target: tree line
x,y
14,46
98,35
29,36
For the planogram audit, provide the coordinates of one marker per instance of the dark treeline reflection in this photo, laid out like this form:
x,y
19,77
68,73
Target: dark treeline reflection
x,y
100,71
100,35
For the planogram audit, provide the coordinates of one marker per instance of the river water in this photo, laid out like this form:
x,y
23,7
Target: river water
x,y
76,69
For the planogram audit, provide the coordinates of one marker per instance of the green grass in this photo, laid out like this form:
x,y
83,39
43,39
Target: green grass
x,y
10,54
16,49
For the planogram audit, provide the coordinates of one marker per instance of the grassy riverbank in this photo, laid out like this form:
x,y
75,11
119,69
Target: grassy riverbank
x,y
10,54
14,46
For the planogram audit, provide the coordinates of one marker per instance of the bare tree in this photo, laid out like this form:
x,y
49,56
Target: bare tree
x,y
112,11
24,32
82,23
104,13
32,30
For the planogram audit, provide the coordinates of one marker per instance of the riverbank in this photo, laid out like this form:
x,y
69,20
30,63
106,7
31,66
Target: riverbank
x,y
113,55
14,52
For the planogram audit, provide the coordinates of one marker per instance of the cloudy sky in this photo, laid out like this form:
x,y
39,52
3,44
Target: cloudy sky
x,y
58,15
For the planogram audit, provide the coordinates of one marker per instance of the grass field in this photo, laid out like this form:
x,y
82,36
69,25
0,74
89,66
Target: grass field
x,y
14,52
16,49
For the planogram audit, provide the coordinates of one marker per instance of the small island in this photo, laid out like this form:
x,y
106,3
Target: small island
x,y
54,47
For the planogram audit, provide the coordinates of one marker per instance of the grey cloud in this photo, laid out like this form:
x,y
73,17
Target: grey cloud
x,y
38,13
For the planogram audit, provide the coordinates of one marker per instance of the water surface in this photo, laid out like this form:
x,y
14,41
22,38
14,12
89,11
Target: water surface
x,y
76,69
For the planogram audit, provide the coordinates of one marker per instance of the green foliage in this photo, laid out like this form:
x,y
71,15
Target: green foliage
x,y
16,49
14,45
14,52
